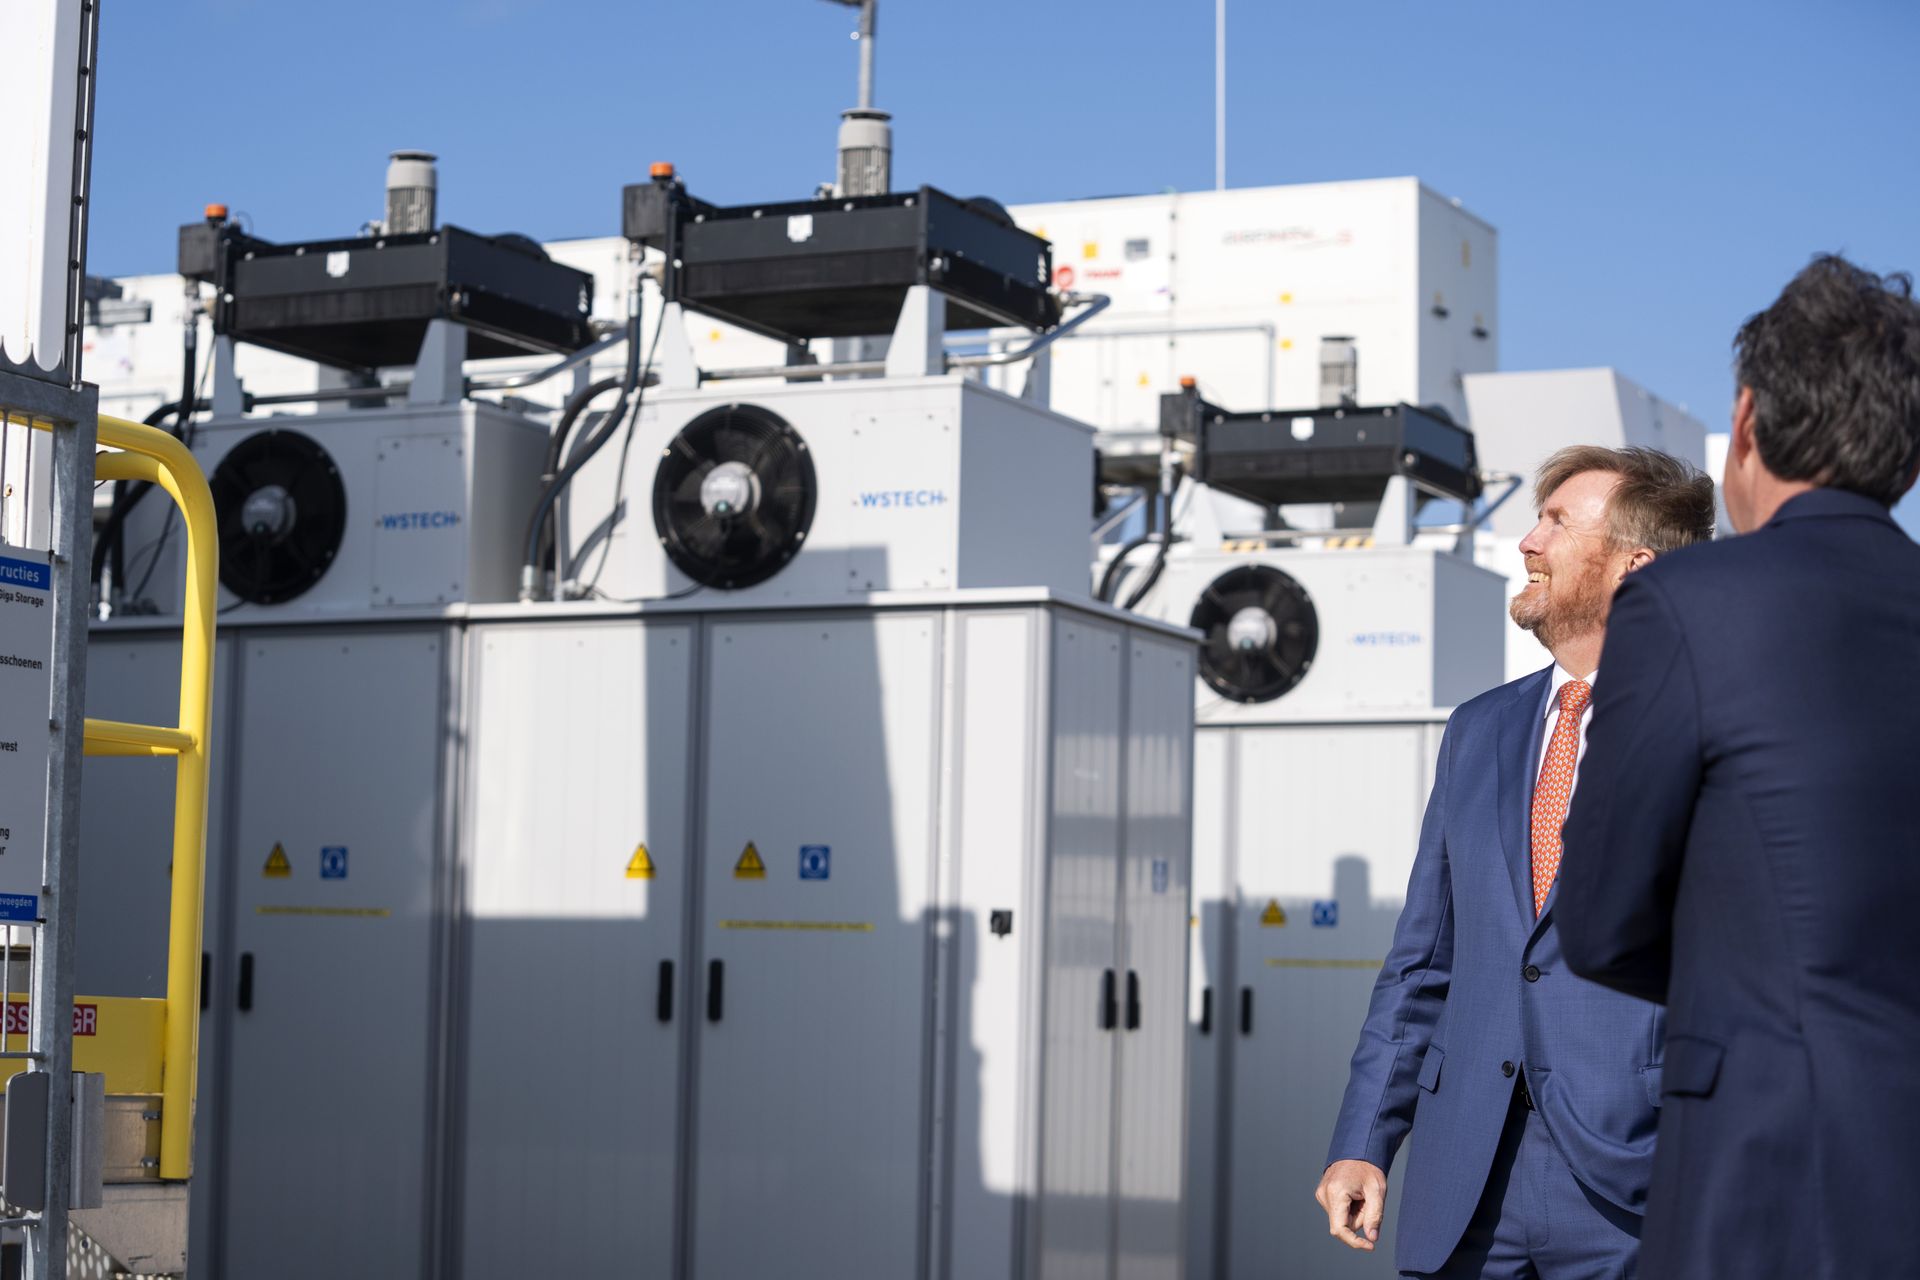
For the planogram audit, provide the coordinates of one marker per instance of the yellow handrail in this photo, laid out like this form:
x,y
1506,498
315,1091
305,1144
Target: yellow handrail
x,y
154,456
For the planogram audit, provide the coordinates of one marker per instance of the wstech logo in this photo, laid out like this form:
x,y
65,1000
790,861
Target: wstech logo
x,y
399,520
889,499
1388,639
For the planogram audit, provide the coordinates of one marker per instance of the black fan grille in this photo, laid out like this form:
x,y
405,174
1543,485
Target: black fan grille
x,y
273,568
736,551
1265,673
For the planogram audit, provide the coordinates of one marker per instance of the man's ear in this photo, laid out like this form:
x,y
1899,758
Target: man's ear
x,y
1640,559
1742,443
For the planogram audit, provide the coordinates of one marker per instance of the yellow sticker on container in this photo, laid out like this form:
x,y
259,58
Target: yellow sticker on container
x,y
640,865
277,865
1273,917
750,867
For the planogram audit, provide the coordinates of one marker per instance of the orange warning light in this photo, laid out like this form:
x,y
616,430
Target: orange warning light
x,y
1187,383
661,169
216,213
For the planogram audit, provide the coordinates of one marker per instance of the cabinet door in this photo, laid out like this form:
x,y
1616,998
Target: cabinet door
x,y
811,1059
581,736
1154,878
1328,819
126,884
1084,985
336,845
1209,992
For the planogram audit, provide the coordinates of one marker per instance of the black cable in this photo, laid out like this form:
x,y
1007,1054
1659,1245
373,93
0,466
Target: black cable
x,y
1111,577
575,406
1154,569
126,495
537,524
620,472
1170,484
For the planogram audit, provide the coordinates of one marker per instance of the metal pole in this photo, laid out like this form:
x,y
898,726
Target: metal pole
x,y
868,23
1220,95
50,1028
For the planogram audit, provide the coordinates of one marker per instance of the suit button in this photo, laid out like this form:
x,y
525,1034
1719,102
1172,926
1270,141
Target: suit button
x,y
1531,973
1506,1069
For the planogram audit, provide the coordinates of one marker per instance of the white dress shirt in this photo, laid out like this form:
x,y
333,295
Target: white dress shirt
x,y
1560,677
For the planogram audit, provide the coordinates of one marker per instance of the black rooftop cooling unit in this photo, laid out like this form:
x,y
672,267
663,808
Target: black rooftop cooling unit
x,y
733,496
282,512
1261,633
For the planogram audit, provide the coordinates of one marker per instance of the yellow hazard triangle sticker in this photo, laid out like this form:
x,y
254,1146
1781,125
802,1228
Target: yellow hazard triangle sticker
x,y
277,864
640,865
750,867
1273,915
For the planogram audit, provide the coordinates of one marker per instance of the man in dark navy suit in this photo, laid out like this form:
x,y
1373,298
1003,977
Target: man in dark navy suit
x,y
1743,844
1530,1093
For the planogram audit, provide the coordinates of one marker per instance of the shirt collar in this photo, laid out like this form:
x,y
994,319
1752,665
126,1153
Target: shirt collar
x,y
1560,676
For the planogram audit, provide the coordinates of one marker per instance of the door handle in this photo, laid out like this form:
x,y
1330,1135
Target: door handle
x,y
1109,1007
246,981
663,1003
206,978
1246,1011
1133,1001
1206,1011
716,990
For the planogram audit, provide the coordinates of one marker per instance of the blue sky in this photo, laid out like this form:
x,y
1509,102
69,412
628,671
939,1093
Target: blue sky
x,y
1656,171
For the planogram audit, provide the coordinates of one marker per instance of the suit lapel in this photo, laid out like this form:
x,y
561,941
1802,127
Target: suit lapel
x,y
1519,746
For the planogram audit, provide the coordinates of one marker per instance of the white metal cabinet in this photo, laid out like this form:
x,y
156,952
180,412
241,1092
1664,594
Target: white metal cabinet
x,y
811,1067
1152,1046
126,844
573,949
1337,876
1083,979
338,765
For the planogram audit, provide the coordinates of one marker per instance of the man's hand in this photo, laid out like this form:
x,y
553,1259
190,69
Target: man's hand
x,y
1354,1194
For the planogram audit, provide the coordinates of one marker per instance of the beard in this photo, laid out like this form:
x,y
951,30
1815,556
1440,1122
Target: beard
x,y
1574,611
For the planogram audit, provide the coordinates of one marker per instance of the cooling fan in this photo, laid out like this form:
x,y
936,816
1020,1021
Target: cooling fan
x,y
733,497
1261,632
282,513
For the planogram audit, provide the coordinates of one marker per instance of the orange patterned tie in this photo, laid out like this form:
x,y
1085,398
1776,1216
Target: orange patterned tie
x,y
1555,788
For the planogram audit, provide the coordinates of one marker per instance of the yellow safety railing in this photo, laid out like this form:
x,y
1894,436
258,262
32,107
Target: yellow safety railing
x,y
154,456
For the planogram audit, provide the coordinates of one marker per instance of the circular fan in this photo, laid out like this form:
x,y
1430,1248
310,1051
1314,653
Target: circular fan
x,y
282,512
1261,632
733,497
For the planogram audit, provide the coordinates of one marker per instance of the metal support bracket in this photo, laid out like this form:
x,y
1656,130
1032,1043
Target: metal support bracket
x,y
918,346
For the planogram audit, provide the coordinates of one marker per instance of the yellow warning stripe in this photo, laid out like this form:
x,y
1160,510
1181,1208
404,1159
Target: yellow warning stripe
x,y
803,926
126,1042
1301,962
357,913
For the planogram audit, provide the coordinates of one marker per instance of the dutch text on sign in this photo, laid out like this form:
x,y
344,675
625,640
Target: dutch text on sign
x,y
86,1018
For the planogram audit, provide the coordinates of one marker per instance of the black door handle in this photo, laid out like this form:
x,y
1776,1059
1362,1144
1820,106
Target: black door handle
x,y
716,989
1206,1011
1109,1007
246,981
206,978
663,1003
1133,1001
1246,1011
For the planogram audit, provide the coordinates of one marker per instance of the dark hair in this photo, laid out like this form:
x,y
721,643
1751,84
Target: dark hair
x,y
1661,503
1834,367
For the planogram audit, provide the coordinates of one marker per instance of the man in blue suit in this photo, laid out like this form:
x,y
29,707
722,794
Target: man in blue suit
x,y
1742,845
1531,1094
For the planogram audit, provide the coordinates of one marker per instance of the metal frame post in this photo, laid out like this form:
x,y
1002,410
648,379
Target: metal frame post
x,y
50,1028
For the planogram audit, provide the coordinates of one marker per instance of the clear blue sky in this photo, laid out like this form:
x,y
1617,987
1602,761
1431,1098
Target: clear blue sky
x,y
1656,170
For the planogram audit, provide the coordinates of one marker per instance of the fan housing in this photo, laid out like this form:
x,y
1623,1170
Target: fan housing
x,y
282,512
1261,630
734,496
